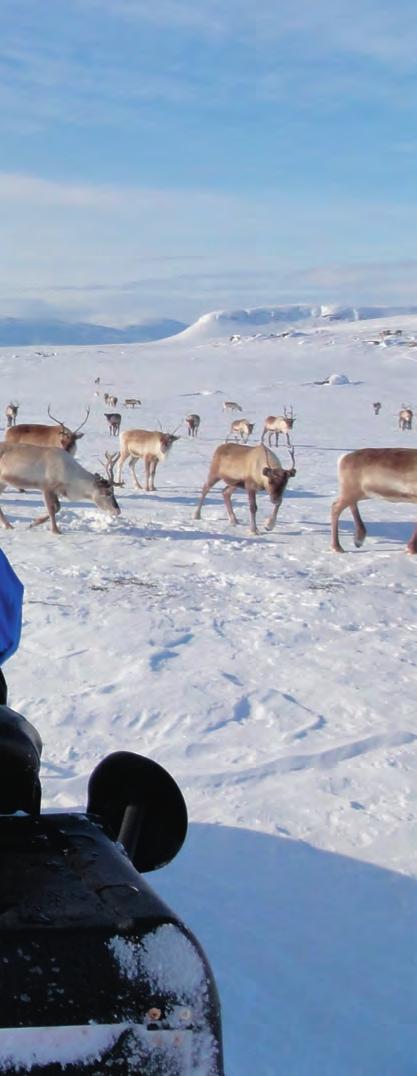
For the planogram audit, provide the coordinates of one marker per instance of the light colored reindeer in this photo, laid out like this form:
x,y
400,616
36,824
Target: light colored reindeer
x,y
192,423
254,469
109,400
276,424
11,414
150,445
405,418
56,474
230,405
132,401
389,474
32,433
242,428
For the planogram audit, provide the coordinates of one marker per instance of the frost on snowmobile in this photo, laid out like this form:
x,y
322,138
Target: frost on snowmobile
x,y
97,974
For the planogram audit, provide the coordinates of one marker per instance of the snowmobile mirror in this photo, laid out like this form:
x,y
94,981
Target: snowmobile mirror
x,y
141,804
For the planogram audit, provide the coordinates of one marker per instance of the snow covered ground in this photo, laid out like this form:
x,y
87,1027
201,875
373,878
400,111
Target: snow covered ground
x,y
275,680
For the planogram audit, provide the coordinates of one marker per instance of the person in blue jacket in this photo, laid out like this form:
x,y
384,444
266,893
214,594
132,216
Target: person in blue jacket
x,y
11,602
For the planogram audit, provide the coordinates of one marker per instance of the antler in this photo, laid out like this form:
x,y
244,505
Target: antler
x,y
109,465
85,420
291,450
58,420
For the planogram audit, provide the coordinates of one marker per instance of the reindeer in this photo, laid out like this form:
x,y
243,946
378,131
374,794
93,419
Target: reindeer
x,y
230,405
55,473
113,422
132,401
109,400
389,474
278,424
405,418
11,414
241,428
192,423
150,445
377,407
252,469
46,436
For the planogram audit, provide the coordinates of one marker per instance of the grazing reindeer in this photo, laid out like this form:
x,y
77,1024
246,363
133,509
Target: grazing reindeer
x,y
113,422
377,407
132,401
389,474
405,418
11,414
46,436
150,445
241,428
192,423
252,469
56,474
230,405
276,424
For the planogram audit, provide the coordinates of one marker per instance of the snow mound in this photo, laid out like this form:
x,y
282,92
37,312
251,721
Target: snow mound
x,y
337,379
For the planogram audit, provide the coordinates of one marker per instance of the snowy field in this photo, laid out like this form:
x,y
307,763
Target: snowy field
x,y
275,680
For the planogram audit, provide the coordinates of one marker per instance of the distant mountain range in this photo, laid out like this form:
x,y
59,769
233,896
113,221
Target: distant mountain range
x,y
19,332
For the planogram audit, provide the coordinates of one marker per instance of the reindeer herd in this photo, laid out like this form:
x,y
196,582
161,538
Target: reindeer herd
x,y
41,457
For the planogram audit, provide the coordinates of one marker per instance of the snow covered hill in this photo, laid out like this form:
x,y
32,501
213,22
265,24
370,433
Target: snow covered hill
x,y
275,319
275,680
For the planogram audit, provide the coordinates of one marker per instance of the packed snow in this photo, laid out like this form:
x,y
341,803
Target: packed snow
x,y
275,680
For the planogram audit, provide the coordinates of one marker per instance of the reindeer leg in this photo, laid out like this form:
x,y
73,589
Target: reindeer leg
x,y
360,529
132,464
153,462
122,459
227,497
252,510
207,486
337,508
3,519
271,521
53,506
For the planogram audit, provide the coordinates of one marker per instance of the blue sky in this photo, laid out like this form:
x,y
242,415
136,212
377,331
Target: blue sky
x,y
169,158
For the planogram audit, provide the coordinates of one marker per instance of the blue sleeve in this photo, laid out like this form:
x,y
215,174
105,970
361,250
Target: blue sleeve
x,y
11,601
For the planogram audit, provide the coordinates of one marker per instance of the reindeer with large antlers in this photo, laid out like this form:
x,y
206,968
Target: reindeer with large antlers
x,y
253,469
59,436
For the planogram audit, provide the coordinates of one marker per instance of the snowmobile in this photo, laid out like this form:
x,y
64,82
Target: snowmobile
x,y
97,974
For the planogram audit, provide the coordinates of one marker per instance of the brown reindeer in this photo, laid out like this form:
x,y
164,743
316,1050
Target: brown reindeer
x,y
252,469
389,474
150,445
192,423
56,474
59,436
230,405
